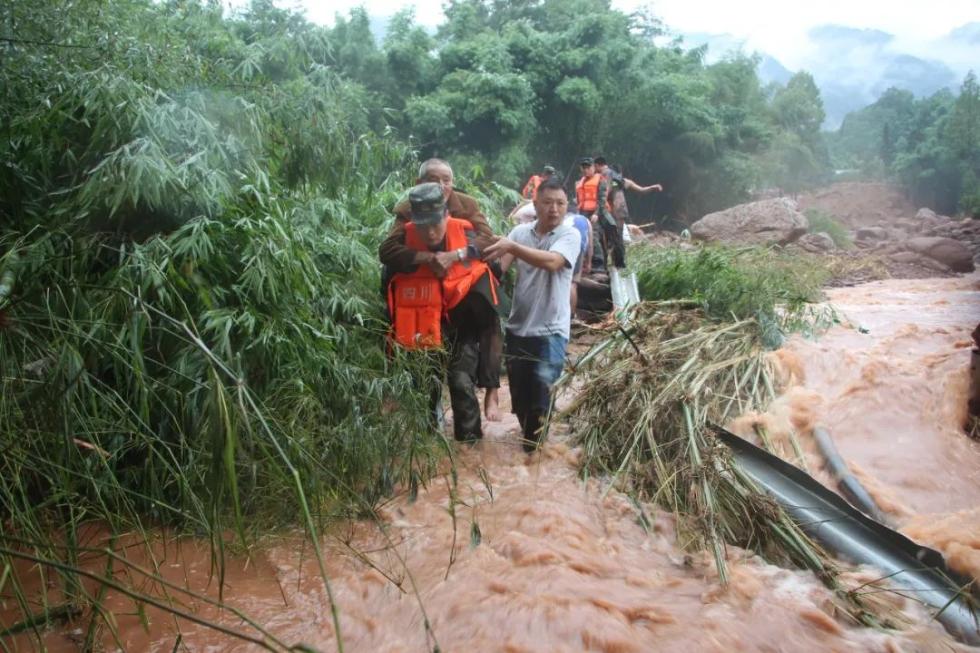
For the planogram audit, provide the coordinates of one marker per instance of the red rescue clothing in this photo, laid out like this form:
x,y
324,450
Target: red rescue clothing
x,y
419,301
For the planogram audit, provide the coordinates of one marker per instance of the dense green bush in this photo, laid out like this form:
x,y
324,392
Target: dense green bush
x,y
771,286
190,325
823,222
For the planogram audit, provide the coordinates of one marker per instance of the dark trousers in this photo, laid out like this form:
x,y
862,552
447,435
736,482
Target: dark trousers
x,y
612,235
457,366
534,363
597,253
471,324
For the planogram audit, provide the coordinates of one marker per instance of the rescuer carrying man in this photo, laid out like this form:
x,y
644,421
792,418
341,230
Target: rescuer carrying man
x,y
446,306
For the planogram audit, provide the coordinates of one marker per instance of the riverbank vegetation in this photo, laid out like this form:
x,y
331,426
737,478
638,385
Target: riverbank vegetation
x,y
191,332
930,146
760,282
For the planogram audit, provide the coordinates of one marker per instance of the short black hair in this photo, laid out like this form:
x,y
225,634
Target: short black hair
x,y
600,160
551,183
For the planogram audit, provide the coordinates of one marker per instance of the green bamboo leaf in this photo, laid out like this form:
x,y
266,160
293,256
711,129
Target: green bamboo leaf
x,y
475,535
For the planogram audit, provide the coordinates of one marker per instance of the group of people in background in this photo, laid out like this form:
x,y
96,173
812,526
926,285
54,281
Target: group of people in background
x,y
600,196
442,267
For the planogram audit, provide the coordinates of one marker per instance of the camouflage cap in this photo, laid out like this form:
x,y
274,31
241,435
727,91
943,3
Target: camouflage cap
x,y
428,204
586,161
548,170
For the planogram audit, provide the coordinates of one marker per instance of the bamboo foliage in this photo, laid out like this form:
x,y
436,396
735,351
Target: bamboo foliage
x,y
191,332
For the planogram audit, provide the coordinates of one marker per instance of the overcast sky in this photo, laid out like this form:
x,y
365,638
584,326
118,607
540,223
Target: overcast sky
x,y
777,27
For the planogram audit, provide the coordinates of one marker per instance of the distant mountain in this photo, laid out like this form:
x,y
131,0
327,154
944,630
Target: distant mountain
x,y
872,64
841,35
917,75
770,70
853,66
969,34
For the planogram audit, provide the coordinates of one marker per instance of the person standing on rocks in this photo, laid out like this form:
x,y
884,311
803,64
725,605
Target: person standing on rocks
x,y
592,197
618,185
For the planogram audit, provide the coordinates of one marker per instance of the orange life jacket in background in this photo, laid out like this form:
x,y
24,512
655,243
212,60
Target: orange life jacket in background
x,y
587,193
418,301
531,187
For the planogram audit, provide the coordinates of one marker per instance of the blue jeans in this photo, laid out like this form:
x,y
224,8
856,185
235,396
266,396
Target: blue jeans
x,y
534,363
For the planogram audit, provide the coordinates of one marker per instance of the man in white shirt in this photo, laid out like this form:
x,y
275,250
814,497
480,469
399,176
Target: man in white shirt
x,y
545,252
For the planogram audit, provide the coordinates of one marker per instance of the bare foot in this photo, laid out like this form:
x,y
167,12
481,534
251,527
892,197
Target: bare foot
x,y
491,405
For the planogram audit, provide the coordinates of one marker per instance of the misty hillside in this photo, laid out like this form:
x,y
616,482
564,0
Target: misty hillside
x,y
853,67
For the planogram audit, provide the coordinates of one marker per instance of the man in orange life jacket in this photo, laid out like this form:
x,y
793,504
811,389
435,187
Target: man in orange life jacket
x,y
531,187
592,194
450,304
394,254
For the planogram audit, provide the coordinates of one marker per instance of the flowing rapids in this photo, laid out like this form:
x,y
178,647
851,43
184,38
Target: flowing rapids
x,y
892,388
521,554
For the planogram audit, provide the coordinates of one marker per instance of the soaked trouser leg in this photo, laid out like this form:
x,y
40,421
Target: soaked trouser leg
x,y
491,350
534,363
613,234
464,352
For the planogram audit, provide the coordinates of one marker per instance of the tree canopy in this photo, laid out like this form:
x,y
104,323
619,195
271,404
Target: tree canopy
x,y
931,146
504,88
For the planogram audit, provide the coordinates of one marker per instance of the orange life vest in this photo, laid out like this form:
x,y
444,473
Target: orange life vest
x,y
419,301
587,193
531,187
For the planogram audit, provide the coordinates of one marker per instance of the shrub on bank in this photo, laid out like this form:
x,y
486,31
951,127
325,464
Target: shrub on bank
x,y
823,222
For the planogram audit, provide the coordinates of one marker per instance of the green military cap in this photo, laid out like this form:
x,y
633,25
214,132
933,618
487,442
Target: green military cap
x,y
548,170
428,203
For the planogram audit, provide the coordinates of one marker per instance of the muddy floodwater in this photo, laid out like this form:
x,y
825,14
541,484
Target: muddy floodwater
x,y
522,554
892,391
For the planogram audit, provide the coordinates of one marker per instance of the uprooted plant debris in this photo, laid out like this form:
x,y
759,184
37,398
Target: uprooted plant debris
x,y
646,396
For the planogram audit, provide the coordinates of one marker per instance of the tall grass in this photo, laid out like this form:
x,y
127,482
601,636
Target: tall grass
x,y
191,333
823,222
774,288
229,375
